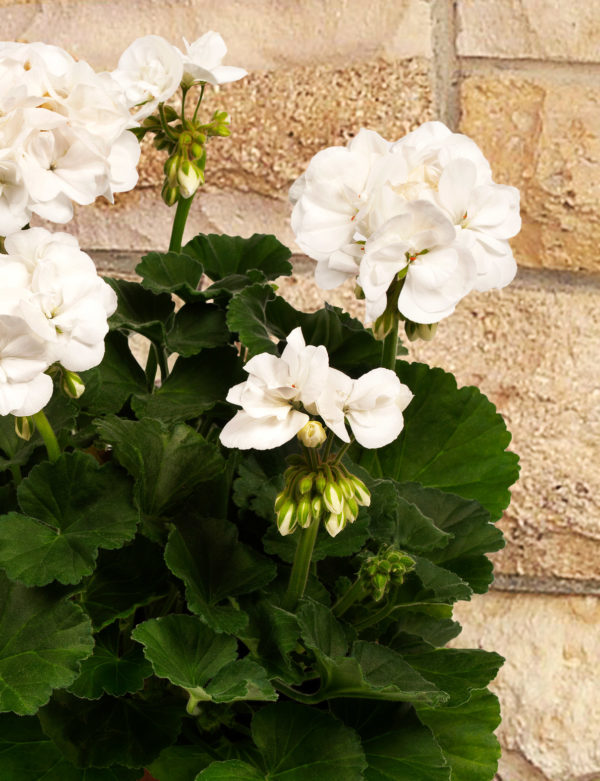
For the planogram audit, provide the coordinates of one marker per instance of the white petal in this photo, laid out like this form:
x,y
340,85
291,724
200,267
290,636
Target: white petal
x,y
245,432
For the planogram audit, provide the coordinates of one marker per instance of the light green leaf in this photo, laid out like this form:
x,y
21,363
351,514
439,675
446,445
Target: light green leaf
x,y
241,680
466,735
206,555
231,770
453,439
43,638
71,508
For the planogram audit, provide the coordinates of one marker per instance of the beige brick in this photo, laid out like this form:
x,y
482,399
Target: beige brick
x,y
529,29
281,118
549,689
534,352
542,134
259,33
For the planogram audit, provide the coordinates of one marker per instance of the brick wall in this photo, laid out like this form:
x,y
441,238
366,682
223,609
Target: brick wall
x,y
522,77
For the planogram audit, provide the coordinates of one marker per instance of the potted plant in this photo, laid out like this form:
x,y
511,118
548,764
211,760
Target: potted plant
x,y
243,564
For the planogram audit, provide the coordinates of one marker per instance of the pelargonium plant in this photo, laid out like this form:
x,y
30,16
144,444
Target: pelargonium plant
x,y
240,563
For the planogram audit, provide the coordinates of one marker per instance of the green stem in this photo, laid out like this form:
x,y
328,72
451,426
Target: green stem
x,y
16,473
301,566
184,92
43,426
390,349
151,365
308,699
161,356
199,101
311,455
341,452
355,593
328,444
165,125
181,215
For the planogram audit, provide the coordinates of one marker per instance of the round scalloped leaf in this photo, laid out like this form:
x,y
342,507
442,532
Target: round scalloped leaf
x,y
44,638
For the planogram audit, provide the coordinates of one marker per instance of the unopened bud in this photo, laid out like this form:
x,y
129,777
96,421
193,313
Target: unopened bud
x,y
361,492
169,194
23,428
385,323
279,500
335,523
303,513
312,434
306,483
170,114
333,498
351,508
286,518
171,168
320,482
196,150
424,331
316,506
347,488
359,292
189,179
72,384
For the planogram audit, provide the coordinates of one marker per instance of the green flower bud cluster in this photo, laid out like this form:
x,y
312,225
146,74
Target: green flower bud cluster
x,y
387,568
184,168
329,492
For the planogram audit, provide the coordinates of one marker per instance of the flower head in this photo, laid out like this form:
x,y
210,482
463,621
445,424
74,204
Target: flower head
x,y
202,61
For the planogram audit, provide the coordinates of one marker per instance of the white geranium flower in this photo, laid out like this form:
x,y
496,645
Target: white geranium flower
x,y
332,206
272,395
202,62
372,405
67,303
24,388
149,72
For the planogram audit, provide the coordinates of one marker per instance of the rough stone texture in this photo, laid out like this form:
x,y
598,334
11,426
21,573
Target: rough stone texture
x,y
548,686
532,349
542,135
529,29
281,118
259,34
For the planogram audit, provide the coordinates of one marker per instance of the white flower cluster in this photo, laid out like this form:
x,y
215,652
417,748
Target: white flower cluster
x,y
64,135
423,210
53,309
151,69
281,393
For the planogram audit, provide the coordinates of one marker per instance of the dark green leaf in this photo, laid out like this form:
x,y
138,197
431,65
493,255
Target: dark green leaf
x,y
195,385
123,581
456,670
184,650
413,628
396,521
72,507
231,770
321,631
224,255
167,462
272,633
197,326
140,310
453,439
171,272
254,488
180,763
26,754
214,566
466,735
100,733
43,639
439,584
109,670
472,533
298,743
241,680
112,382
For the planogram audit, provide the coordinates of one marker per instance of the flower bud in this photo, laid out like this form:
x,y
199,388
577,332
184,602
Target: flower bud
x,y
169,194
351,507
361,492
72,384
316,506
335,523
384,324
279,500
169,112
347,488
333,498
170,168
188,178
320,482
424,331
303,513
286,517
196,150
23,428
359,292
312,434
306,483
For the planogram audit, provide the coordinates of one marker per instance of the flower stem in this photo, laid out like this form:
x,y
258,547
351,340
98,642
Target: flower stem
x,y
199,101
301,566
165,125
151,365
16,473
355,593
43,426
390,349
161,356
181,215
